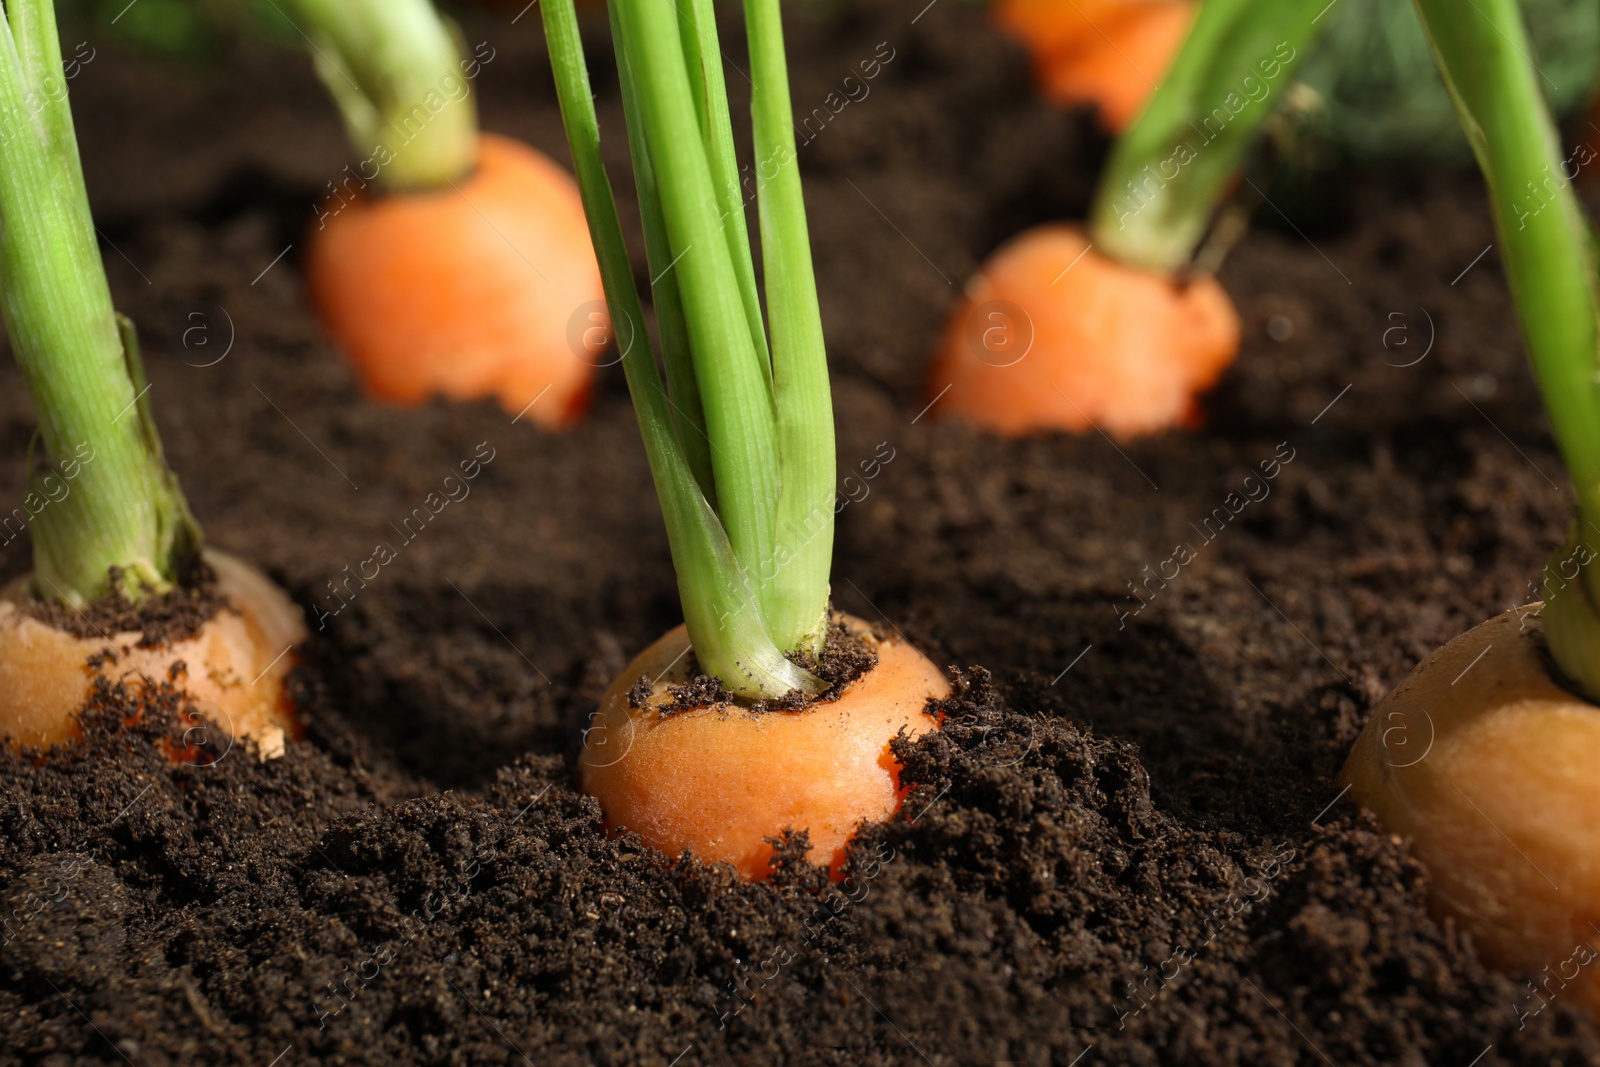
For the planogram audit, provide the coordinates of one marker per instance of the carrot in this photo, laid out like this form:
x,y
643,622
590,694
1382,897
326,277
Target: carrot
x,y
718,780
1053,335
232,671
1107,53
104,502
1484,755
1113,326
448,262
443,292
740,441
1485,763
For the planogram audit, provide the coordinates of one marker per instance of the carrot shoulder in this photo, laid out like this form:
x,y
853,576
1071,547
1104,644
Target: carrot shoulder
x,y
720,780
1055,335
487,287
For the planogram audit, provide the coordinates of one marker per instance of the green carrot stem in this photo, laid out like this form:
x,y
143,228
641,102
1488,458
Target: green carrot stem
x,y
720,606
394,69
683,394
795,589
1549,257
1544,238
703,55
734,381
1171,169
107,499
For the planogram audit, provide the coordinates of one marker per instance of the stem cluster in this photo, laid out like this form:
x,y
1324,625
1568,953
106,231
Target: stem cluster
x,y
1173,167
1549,256
394,69
80,361
740,433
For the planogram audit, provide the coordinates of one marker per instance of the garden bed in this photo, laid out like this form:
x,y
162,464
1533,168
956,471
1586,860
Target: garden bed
x,y
1127,844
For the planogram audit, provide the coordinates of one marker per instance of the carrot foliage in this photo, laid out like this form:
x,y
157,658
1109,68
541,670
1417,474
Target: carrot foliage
x,y
738,420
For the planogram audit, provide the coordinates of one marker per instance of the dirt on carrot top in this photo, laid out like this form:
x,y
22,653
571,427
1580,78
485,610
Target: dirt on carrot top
x,y
1126,844
845,657
172,616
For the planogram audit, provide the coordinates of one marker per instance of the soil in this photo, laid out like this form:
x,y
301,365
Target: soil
x,y
1127,845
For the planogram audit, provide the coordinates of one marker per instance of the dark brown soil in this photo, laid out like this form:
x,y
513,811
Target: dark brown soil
x,y
1125,847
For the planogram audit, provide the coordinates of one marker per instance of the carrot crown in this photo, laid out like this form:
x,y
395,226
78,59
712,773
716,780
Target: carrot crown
x,y
396,73
740,433
1175,165
104,497
1549,256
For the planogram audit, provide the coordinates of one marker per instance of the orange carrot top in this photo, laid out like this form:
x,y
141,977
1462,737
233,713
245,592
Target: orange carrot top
x,y
740,441
104,511
446,262
1111,327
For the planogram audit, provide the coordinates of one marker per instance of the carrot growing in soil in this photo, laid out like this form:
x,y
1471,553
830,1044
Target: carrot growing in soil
x,y
447,261
1115,326
106,514
740,443
1485,755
